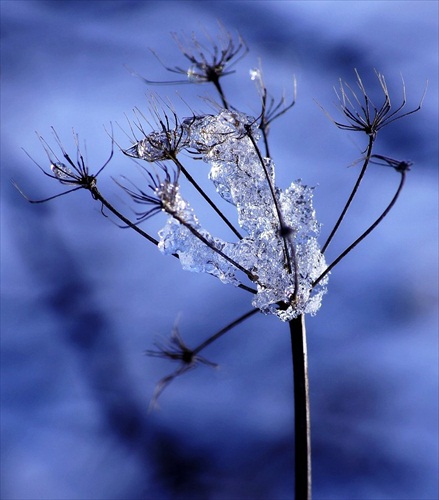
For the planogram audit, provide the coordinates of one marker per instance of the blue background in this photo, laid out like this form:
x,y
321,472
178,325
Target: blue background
x,y
82,300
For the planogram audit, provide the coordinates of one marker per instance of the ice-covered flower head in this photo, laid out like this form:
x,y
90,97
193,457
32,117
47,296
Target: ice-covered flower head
x,y
279,252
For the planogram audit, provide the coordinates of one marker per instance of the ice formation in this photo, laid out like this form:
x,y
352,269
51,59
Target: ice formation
x,y
280,249
61,171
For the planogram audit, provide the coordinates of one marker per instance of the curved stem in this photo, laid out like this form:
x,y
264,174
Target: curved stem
x,y
263,125
265,139
302,422
352,195
366,233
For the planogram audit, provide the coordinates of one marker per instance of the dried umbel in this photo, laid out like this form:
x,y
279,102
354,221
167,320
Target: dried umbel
x,y
209,60
362,115
69,172
163,143
274,254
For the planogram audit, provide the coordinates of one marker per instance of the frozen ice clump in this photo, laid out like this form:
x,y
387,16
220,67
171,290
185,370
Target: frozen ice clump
x,y
183,236
194,254
280,249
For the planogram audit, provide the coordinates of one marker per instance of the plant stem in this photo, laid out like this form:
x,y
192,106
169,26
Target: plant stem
x,y
366,233
302,425
224,330
204,195
292,269
220,92
352,195
97,196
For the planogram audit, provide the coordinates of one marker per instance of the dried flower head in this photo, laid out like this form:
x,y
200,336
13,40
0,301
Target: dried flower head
x,y
163,191
400,166
270,108
167,138
362,114
68,172
175,349
209,61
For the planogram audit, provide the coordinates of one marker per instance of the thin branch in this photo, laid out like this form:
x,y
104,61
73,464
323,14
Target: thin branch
x,y
369,230
352,195
206,197
98,196
220,91
224,330
198,235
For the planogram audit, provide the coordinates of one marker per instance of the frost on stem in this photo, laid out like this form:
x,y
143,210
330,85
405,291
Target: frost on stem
x,y
226,142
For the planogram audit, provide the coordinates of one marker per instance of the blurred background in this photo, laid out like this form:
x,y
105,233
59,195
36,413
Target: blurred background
x,y
82,299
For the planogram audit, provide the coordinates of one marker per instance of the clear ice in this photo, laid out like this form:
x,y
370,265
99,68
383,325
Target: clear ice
x,y
157,146
61,171
226,142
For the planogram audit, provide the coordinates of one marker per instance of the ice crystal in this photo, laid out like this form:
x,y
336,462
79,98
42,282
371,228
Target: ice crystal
x,y
61,171
159,146
152,148
275,221
255,74
175,205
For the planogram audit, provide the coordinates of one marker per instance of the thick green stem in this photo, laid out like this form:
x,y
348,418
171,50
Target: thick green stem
x,y
302,424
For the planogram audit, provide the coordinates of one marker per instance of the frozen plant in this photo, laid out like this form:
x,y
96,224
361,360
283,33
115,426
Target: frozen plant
x,y
279,252
275,254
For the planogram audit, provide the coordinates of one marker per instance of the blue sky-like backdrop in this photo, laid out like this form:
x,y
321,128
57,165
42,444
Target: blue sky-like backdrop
x,y
82,299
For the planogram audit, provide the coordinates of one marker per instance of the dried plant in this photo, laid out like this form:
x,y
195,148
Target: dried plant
x,y
274,255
